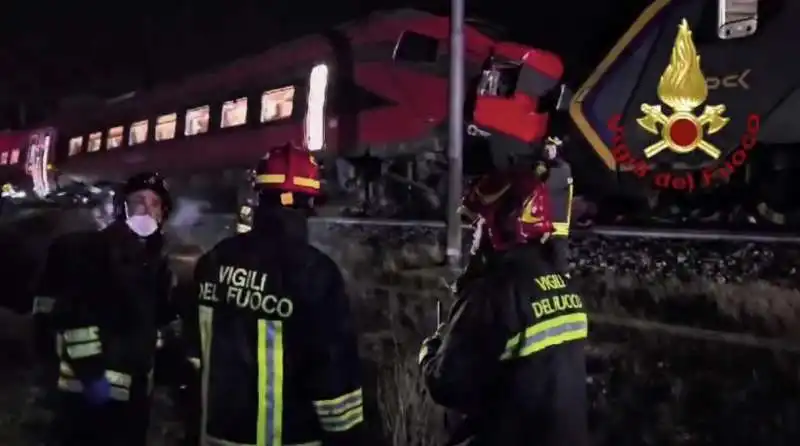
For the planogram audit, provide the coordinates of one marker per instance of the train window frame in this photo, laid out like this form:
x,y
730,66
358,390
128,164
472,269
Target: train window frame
x,y
132,129
233,104
193,116
75,145
3,158
13,157
282,114
162,120
94,137
115,134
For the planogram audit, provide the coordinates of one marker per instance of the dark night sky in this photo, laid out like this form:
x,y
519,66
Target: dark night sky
x,y
51,49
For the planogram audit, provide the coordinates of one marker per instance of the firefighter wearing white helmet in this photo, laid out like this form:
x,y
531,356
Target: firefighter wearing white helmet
x,y
274,338
557,174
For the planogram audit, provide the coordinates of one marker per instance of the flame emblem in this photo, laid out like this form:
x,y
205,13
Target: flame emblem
x,y
683,88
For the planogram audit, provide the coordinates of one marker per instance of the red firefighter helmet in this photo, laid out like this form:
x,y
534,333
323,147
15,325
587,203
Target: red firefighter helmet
x,y
511,207
287,171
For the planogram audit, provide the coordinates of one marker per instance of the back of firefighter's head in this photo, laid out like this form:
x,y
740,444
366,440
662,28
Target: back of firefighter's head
x,y
287,177
144,203
507,208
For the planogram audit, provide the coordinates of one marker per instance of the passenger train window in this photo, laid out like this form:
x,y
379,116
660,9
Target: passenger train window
x,y
234,113
138,133
114,139
94,142
14,157
4,158
196,120
277,104
165,126
75,145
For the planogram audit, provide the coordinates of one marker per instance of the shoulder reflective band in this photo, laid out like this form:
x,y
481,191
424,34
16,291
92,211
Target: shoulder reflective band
x,y
538,337
270,383
120,382
43,305
341,413
280,179
82,342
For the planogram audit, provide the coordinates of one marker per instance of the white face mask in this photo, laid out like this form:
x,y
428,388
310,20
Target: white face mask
x,y
142,225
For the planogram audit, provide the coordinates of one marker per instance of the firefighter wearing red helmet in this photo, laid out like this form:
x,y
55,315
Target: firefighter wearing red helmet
x,y
112,293
511,357
274,337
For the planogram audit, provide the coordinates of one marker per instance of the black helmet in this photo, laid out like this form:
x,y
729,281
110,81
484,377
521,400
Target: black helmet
x,y
143,181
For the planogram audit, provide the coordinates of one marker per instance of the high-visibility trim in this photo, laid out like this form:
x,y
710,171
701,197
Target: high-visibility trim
x,y
75,386
561,229
206,325
120,382
83,334
242,228
195,362
570,194
537,337
213,441
341,413
270,383
43,305
281,178
159,340
85,350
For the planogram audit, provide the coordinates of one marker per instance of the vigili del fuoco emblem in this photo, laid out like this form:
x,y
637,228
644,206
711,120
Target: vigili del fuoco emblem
x,y
683,88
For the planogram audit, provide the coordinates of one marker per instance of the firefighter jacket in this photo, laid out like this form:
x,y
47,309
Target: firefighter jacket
x,y
108,311
279,360
558,178
511,356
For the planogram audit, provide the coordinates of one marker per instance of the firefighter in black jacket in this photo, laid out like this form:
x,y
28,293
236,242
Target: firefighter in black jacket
x,y
107,317
557,174
511,356
277,349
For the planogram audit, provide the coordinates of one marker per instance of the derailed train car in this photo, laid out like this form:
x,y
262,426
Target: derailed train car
x,y
369,97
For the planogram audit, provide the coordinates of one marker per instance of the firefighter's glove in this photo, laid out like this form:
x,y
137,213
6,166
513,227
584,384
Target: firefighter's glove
x,y
430,345
97,392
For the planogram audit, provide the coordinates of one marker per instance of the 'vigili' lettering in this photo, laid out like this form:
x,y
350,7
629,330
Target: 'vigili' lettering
x,y
550,282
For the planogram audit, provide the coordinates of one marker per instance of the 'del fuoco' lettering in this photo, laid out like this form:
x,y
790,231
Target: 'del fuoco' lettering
x,y
550,282
550,305
208,292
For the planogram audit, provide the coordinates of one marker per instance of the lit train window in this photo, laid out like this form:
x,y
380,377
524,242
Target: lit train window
x,y
234,113
196,121
14,158
94,142
4,158
114,138
165,126
75,145
138,133
277,104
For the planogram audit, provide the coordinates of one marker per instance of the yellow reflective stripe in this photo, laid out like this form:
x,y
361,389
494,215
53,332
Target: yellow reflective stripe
x,y
569,202
561,229
213,441
537,337
75,386
84,334
43,305
306,182
85,350
206,321
341,413
280,179
115,378
270,383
